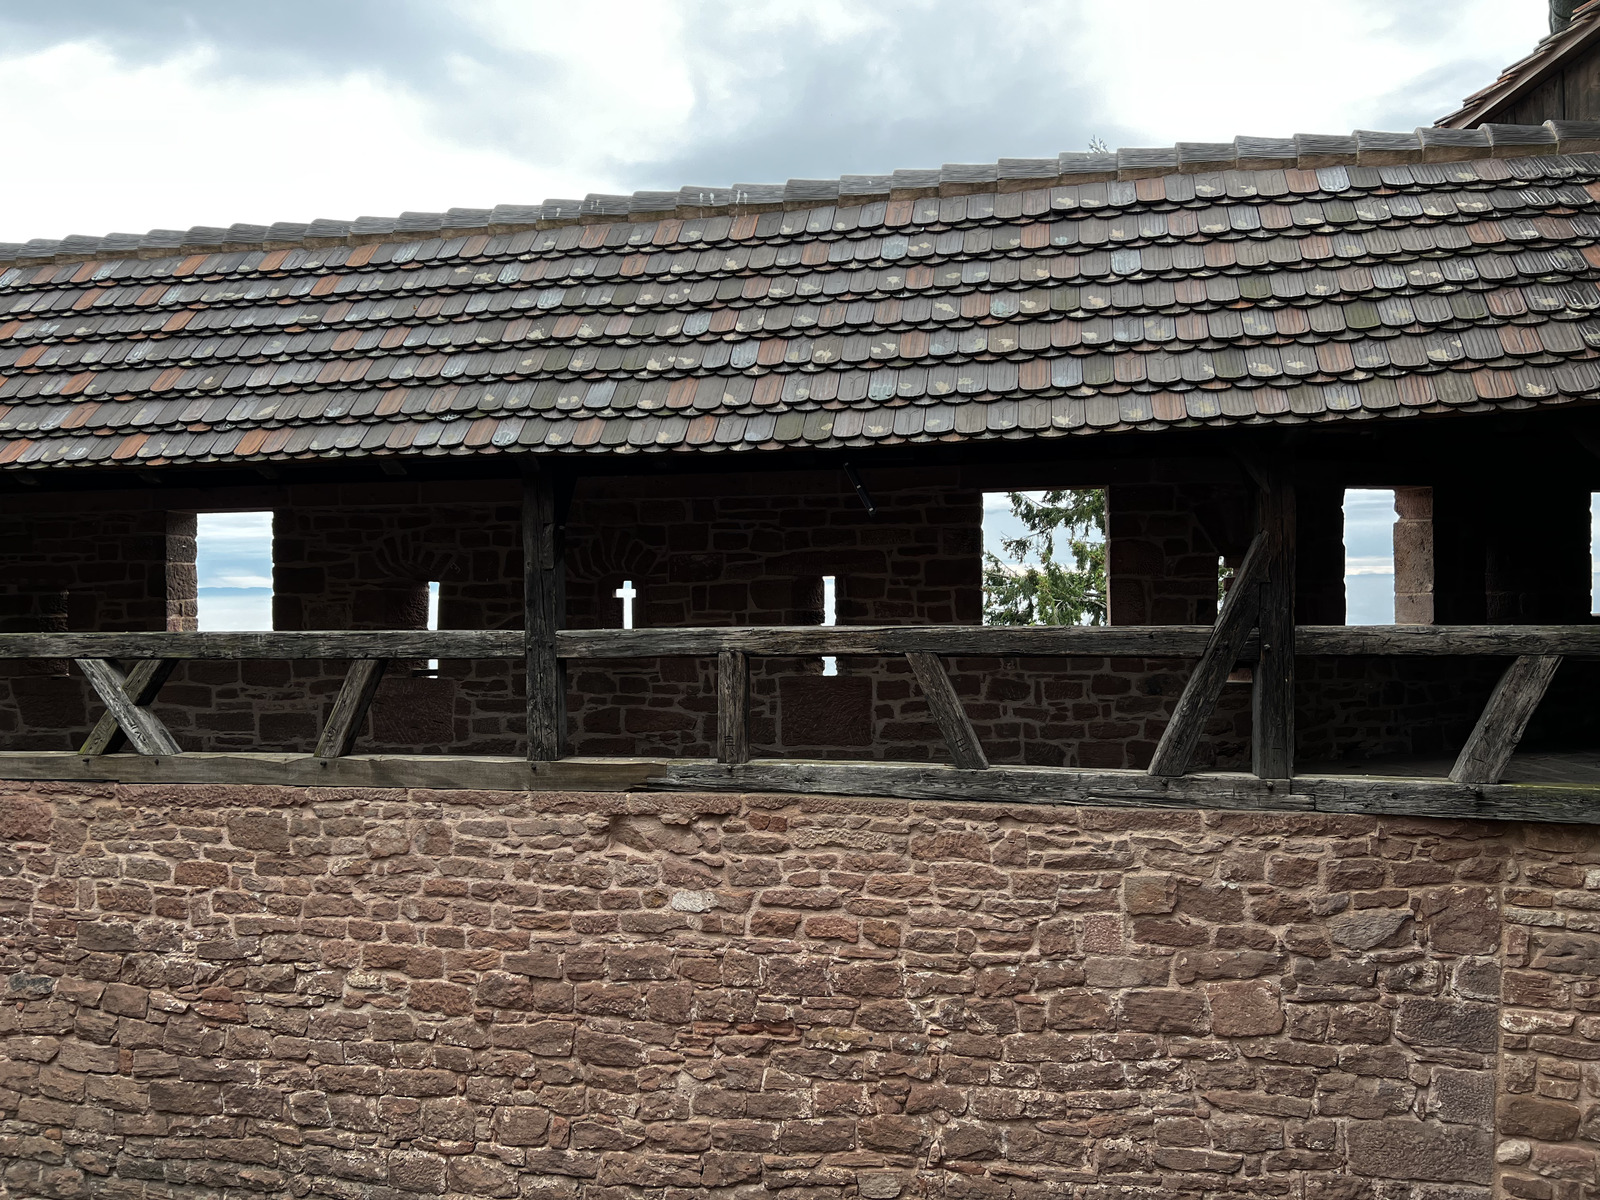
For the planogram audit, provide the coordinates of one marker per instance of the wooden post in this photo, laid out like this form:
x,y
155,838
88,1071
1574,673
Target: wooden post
x,y
733,707
951,717
143,685
543,603
144,729
1228,636
1272,699
350,707
1483,759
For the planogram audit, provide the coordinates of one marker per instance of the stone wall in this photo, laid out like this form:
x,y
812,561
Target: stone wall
x,y
217,991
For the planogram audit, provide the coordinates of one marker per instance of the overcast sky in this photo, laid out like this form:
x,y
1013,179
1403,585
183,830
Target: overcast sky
x,y
127,115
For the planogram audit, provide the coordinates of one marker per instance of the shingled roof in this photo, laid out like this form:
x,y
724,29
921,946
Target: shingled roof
x,y
1306,279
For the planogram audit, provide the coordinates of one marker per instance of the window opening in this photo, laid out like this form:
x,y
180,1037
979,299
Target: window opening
x,y
830,616
233,571
1369,517
1044,557
1594,545
627,593
433,619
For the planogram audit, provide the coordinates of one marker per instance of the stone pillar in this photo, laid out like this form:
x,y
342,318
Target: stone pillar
x,y
1537,557
1161,561
1516,554
1459,555
1319,556
183,592
1413,556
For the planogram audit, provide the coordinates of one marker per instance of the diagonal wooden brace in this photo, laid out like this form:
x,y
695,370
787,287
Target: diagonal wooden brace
x,y
350,707
952,719
1228,636
143,685
1483,759
144,729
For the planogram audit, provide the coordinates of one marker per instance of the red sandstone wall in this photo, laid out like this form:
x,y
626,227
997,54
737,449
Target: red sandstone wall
x,y
256,991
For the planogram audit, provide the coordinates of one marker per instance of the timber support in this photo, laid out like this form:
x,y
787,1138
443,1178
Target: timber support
x,y
543,594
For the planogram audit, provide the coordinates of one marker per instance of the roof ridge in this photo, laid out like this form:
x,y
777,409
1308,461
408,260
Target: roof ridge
x,y
1360,148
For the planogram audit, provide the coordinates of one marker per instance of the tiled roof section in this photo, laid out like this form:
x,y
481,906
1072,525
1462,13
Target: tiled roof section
x,y
1551,53
1284,295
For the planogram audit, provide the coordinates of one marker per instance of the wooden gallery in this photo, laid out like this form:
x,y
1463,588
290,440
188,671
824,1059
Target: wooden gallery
x,y
706,840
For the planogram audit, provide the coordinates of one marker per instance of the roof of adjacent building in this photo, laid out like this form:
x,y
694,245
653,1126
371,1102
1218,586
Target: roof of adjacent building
x,y
1563,47
1261,281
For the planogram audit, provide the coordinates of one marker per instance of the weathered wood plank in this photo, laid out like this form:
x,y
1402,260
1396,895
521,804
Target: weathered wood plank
x,y
1135,789
1558,803
948,714
1272,692
336,643
145,730
811,641
733,706
487,773
1505,718
350,707
543,605
1210,674
1089,641
1041,641
143,685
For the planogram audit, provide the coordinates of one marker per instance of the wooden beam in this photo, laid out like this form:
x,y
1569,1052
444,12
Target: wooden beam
x,y
812,641
959,735
543,612
999,786
991,641
994,788
144,729
1204,686
142,686
350,707
733,706
508,773
1087,641
333,643
1483,759
1272,695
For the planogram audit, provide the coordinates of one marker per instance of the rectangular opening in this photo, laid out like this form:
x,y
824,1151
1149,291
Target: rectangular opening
x,y
233,570
433,619
1594,546
1044,557
830,616
1369,517
627,593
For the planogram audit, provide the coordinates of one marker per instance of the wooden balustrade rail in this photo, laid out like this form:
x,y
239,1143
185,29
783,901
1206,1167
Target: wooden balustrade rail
x,y
1028,641
1536,651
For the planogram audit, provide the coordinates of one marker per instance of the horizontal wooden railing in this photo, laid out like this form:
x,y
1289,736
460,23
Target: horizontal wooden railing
x,y
1041,641
1536,652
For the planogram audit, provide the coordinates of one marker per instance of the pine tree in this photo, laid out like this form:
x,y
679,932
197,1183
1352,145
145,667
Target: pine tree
x,y
1052,592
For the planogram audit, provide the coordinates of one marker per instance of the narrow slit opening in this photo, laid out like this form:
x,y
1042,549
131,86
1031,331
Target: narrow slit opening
x,y
433,620
830,616
627,593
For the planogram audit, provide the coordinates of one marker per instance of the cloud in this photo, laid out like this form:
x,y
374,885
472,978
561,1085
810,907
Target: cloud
x,y
133,114
164,145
